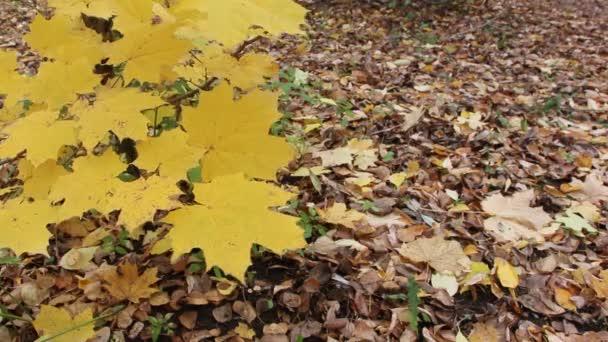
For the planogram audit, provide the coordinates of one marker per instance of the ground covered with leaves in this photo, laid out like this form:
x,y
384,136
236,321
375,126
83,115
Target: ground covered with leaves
x,y
449,176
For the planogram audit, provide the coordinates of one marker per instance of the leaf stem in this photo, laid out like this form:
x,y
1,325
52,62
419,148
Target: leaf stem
x,y
48,338
11,316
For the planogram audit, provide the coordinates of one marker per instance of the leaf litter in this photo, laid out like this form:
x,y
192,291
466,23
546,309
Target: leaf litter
x,y
473,211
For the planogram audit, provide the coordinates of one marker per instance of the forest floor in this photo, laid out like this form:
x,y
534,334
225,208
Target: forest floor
x,y
470,148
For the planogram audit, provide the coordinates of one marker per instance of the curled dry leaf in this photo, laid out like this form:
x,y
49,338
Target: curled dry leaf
x,y
513,218
77,258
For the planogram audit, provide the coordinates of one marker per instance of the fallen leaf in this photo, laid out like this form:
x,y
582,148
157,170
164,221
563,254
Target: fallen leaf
x,y
514,218
442,255
447,282
575,223
77,258
51,320
562,297
507,274
592,190
339,214
484,332
128,284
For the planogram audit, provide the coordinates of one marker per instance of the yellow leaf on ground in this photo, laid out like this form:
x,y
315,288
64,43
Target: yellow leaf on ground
x,y
117,110
234,213
442,255
600,285
231,21
50,133
51,320
244,331
514,218
339,214
128,284
245,72
24,225
234,134
173,164
507,274
562,297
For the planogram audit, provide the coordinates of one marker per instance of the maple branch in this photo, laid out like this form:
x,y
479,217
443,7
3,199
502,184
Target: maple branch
x,y
240,50
205,87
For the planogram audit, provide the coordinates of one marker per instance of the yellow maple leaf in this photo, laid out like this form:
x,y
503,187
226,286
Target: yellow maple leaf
x,y
24,225
150,53
230,22
129,284
51,134
174,164
51,320
245,72
69,77
37,185
94,185
117,110
69,38
234,133
234,213
70,8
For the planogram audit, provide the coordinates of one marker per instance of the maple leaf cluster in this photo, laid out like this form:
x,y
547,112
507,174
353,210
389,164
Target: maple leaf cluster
x,y
93,129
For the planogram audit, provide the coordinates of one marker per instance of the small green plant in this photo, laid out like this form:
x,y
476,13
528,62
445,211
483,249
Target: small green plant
x,y
413,301
368,205
309,220
119,244
199,264
160,324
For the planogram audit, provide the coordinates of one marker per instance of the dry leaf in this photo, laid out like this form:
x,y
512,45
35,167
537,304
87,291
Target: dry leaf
x,y
338,214
592,190
442,255
128,284
514,218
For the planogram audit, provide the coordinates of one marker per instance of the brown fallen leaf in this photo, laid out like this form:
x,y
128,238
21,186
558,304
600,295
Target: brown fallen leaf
x,y
128,284
514,218
442,255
